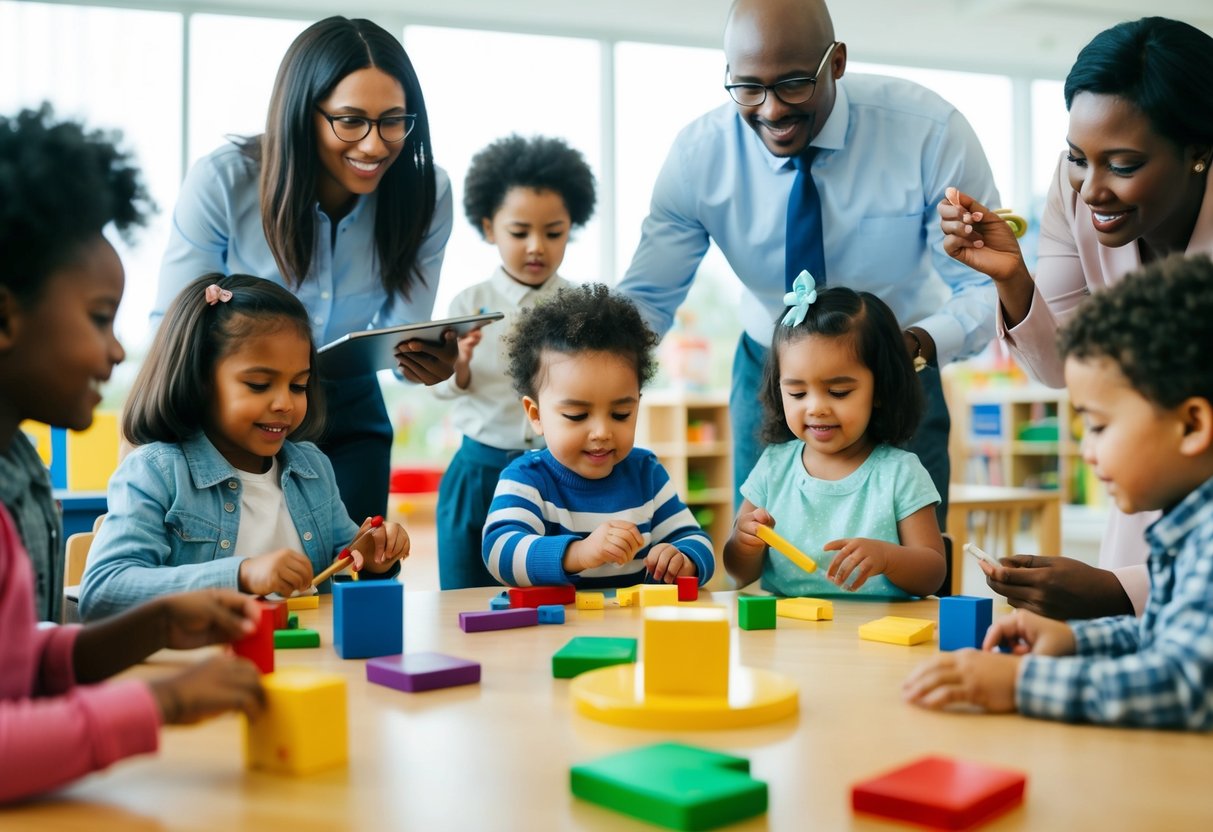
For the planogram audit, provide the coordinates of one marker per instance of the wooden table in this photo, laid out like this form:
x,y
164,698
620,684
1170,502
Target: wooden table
x,y
1000,510
497,755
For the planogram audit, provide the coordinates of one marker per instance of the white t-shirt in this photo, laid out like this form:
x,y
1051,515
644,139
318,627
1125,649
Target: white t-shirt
x,y
265,523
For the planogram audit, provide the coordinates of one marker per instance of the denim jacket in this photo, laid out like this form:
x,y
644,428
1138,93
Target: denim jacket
x,y
178,505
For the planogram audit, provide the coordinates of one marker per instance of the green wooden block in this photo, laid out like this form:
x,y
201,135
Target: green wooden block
x,y
290,639
756,612
673,785
292,622
590,652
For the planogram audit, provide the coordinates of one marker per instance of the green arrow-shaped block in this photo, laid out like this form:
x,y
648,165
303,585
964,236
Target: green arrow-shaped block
x,y
673,785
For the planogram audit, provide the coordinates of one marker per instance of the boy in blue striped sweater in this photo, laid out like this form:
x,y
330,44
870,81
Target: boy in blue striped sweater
x,y
590,509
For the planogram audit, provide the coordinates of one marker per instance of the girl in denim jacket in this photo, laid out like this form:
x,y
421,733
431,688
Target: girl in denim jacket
x,y
215,495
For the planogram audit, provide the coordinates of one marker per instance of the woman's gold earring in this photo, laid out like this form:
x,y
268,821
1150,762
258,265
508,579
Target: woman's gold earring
x,y
1199,167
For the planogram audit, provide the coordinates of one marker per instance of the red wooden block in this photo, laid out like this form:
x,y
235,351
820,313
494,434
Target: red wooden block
x,y
688,588
941,792
258,647
281,613
538,596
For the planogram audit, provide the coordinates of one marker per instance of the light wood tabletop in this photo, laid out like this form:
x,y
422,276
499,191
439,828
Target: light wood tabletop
x,y
497,755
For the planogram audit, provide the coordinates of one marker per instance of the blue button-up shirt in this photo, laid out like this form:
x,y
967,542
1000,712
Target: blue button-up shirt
x,y
889,149
217,228
1156,671
169,529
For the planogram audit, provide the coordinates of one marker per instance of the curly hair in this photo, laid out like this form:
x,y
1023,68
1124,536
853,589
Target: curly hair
x,y
589,318
1156,326
872,327
60,185
174,389
541,163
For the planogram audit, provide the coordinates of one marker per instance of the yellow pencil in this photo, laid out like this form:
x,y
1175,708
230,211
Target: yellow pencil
x,y
776,541
345,558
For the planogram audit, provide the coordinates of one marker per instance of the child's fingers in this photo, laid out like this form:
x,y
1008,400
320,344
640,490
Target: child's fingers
x,y
928,677
861,572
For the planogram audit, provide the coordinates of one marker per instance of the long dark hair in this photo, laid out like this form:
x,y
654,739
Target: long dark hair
x,y
871,326
175,387
1162,66
322,55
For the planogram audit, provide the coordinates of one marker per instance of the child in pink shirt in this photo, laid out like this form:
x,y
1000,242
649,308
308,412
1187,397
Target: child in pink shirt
x,y
60,285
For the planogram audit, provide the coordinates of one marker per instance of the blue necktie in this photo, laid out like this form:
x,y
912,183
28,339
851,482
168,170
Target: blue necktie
x,y
804,247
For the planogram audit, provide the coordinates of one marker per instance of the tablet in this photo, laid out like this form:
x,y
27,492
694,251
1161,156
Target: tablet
x,y
361,353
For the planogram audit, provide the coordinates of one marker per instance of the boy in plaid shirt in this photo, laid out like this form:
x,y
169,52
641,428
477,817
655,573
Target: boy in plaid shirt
x,y
1138,369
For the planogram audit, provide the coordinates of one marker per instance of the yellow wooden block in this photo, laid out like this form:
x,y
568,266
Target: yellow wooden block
x,y
92,454
777,542
303,602
806,609
686,651
896,630
303,727
658,595
590,600
628,596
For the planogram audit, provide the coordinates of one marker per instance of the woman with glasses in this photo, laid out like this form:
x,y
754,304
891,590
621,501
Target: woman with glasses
x,y
1131,189
339,200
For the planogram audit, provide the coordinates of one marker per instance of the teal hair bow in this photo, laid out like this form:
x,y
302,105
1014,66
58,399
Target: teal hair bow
x,y
804,292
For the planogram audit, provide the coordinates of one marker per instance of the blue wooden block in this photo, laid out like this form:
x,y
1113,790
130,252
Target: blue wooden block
x,y
368,618
551,614
963,621
500,602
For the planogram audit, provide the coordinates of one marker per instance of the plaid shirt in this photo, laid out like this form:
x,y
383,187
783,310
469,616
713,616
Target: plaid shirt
x,y
1155,672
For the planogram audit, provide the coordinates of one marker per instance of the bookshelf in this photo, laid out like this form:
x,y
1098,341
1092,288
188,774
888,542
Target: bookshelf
x,y
689,433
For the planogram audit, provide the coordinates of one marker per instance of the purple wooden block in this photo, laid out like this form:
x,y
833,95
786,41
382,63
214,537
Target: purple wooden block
x,y
479,621
422,671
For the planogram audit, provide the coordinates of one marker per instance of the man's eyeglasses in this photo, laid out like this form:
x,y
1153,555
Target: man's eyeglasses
x,y
790,91
392,129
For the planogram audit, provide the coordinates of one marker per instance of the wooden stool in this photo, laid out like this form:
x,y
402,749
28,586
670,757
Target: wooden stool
x,y
995,513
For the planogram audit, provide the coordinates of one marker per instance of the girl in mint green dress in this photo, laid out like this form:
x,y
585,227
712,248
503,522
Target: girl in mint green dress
x,y
839,394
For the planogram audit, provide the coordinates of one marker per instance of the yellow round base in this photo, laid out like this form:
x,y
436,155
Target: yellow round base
x,y
615,695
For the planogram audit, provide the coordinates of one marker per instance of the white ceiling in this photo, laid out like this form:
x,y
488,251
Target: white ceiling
x,y
1040,37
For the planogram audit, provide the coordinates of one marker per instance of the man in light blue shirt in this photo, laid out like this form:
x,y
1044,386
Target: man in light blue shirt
x,y
886,151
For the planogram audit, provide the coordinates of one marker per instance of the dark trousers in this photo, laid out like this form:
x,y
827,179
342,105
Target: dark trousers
x,y
930,441
358,442
463,506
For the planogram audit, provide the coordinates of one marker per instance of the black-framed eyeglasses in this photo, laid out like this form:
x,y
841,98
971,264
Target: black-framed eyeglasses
x,y
790,91
351,129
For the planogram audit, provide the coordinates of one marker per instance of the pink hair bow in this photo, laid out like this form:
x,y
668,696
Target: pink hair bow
x,y
216,294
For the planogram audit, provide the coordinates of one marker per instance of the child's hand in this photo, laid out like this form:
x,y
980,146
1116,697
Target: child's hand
x,y
224,683
666,563
208,616
468,344
615,541
858,556
284,572
965,676
746,533
379,546
1026,632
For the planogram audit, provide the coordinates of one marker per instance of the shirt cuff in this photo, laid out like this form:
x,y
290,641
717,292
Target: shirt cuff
x,y
1136,583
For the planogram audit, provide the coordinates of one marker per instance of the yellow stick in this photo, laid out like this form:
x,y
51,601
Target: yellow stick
x,y
776,541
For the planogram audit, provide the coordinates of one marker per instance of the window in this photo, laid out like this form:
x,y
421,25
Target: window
x,y
481,86
113,69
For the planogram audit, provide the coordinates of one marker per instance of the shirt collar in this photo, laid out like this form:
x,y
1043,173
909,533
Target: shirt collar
x,y
516,292
1193,511
208,467
831,137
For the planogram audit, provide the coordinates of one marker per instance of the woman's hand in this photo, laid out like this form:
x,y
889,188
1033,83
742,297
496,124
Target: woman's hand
x,y
979,238
1058,587
427,363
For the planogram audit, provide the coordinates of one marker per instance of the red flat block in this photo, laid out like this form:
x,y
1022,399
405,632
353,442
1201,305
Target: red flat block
x,y
941,792
688,588
258,647
539,596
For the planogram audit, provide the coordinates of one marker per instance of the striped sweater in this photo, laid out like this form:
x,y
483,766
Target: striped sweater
x,y
540,507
